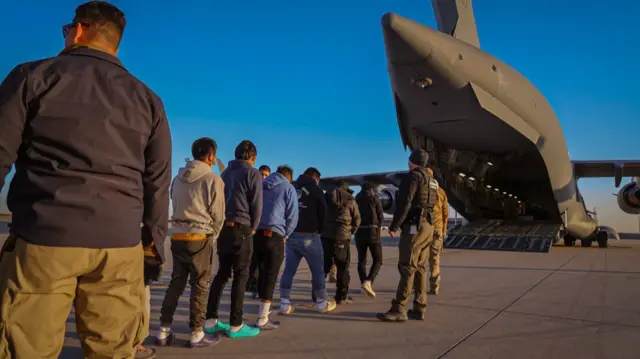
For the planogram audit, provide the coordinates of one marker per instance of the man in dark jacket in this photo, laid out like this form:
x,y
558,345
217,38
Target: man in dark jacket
x,y
92,153
343,220
305,243
417,196
368,236
243,195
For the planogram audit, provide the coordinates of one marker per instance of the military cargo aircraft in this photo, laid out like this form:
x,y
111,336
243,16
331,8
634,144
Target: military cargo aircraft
x,y
495,143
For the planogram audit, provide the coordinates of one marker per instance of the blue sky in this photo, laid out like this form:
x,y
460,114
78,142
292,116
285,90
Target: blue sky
x,y
307,81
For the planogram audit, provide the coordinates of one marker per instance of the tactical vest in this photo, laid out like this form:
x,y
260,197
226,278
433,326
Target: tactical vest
x,y
426,196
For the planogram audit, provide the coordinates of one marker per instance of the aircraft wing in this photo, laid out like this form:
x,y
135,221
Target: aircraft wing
x,y
381,178
608,168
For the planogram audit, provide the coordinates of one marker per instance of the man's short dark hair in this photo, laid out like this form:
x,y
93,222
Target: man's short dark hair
x,y
312,172
264,168
246,150
342,184
103,18
202,147
285,170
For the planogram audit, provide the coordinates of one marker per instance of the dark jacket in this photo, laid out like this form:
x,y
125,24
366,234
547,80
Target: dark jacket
x,y
371,213
343,216
243,193
92,153
413,192
312,206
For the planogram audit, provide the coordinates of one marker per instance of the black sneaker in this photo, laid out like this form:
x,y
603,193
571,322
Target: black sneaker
x,y
392,316
415,314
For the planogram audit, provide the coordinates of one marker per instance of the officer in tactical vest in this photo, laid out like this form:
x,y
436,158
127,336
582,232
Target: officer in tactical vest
x,y
417,196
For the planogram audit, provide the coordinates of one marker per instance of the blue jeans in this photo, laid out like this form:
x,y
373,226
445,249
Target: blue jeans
x,y
309,247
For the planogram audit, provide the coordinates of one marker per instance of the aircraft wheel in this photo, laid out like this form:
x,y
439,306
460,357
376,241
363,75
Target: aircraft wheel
x,y
586,242
568,241
603,240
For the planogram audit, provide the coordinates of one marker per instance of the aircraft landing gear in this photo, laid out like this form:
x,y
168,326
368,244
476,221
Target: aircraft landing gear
x,y
603,239
586,242
569,241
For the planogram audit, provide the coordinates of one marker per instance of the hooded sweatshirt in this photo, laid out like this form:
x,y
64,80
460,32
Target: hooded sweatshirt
x,y
279,205
312,206
243,193
197,195
343,216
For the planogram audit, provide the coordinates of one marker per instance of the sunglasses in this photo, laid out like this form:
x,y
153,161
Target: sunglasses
x,y
66,28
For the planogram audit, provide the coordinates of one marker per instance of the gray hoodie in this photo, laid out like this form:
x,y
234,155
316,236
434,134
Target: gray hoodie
x,y
197,195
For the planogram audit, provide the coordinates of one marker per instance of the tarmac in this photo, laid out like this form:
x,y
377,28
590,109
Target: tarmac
x,y
568,303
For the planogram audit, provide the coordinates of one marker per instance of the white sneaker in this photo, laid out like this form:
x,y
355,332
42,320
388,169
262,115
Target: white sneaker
x,y
286,309
366,288
325,306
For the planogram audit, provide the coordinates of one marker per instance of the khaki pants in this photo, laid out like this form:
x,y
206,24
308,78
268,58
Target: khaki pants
x,y
412,265
434,260
39,284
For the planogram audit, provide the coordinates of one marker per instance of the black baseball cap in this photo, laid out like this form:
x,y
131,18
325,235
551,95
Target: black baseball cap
x,y
419,157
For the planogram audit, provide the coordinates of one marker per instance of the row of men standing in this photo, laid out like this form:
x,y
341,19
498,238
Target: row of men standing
x,y
363,216
252,216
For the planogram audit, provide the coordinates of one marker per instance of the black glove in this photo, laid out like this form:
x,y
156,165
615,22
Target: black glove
x,y
152,269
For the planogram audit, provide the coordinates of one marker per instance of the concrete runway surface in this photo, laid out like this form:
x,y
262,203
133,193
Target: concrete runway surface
x,y
570,303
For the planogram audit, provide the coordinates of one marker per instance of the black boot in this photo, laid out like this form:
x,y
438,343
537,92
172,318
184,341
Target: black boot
x,y
392,316
415,314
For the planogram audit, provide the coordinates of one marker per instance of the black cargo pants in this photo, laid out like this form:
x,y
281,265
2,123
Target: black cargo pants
x,y
192,260
338,251
235,248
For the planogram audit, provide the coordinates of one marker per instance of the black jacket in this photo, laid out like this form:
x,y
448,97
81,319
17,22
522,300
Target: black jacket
x,y
371,213
92,153
343,216
311,205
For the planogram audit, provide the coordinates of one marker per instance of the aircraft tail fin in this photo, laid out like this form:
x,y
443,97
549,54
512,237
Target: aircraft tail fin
x,y
456,18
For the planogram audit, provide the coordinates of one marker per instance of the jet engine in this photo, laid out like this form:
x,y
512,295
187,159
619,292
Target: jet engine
x,y
387,196
629,198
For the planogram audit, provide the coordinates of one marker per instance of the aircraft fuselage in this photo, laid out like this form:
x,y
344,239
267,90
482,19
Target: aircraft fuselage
x,y
494,141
